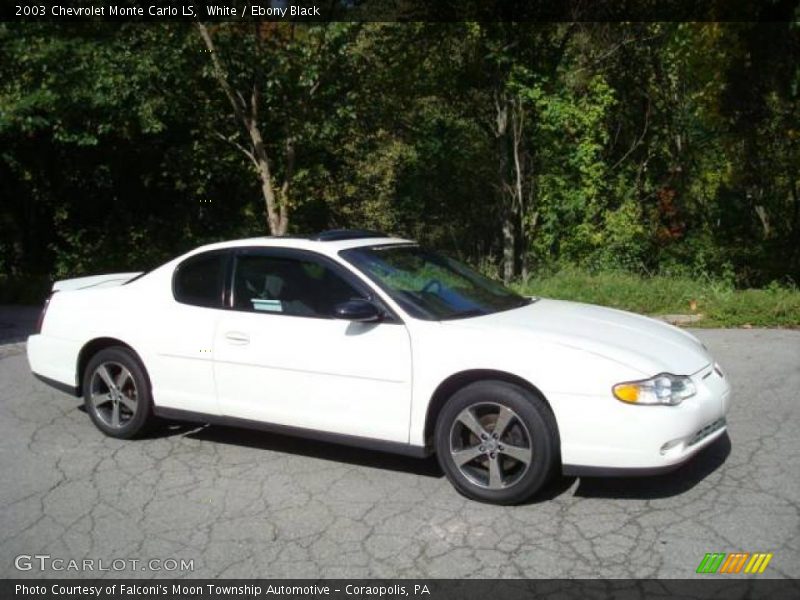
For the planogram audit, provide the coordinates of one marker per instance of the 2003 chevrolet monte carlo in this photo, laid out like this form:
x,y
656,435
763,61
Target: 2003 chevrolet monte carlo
x,y
355,337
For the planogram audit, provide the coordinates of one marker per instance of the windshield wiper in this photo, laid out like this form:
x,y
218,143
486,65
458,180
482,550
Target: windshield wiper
x,y
525,301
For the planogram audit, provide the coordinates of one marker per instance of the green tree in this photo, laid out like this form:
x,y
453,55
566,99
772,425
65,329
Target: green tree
x,y
284,84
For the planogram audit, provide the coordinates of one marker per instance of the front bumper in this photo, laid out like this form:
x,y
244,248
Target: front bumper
x,y
602,436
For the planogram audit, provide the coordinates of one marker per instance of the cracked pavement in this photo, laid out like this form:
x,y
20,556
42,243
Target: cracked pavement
x,y
251,504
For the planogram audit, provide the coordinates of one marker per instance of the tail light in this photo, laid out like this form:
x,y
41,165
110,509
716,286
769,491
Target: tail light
x,y
40,322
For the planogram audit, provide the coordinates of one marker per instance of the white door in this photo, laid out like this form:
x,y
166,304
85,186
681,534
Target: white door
x,y
182,371
280,356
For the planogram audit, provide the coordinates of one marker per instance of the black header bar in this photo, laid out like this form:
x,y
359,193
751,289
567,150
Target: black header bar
x,y
400,10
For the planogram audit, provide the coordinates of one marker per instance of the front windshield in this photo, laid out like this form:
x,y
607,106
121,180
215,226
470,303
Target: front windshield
x,y
430,286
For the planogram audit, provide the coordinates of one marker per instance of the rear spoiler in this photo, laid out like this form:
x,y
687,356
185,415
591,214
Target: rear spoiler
x,y
94,281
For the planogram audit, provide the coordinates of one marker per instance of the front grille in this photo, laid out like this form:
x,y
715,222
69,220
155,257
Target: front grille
x,y
707,431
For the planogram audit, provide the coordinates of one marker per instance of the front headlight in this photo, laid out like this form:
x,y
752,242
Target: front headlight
x,y
662,389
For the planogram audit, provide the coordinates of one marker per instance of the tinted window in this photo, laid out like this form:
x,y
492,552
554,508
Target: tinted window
x,y
430,286
288,286
198,280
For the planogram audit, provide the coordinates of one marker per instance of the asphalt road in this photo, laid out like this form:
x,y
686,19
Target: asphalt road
x,y
243,504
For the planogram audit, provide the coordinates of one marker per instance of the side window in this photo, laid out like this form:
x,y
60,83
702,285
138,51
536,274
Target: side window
x,y
198,280
288,286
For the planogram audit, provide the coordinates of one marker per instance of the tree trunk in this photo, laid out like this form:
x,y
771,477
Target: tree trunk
x,y
277,205
508,224
518,194
509,130
509,245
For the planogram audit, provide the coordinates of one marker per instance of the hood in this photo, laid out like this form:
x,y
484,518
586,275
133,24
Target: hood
x,y
645,344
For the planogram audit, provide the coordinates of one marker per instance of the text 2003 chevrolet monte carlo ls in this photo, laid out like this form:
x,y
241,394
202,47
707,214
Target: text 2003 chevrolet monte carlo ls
x,y
363,339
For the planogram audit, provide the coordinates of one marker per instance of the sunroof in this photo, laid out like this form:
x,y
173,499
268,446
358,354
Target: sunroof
x,y
336,235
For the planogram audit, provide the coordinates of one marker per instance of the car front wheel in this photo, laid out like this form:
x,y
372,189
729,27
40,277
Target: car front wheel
x,y
117,393
496,442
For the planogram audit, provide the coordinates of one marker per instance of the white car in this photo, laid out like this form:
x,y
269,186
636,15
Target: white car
x,y
363,339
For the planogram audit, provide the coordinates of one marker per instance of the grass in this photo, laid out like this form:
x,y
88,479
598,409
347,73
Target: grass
x,y
719,304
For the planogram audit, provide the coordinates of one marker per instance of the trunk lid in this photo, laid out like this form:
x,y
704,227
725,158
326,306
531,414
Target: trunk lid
x,y
94,281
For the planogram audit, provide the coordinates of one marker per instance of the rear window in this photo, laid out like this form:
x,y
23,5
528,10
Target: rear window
x,y
199,280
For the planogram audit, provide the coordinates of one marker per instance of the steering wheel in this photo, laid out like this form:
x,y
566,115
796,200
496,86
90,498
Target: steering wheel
x,y
433,283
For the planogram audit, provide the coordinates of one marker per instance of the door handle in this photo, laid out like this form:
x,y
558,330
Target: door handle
x,y
237,337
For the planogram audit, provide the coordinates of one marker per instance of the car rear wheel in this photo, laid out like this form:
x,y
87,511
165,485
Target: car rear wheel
x,y
116,393
496,442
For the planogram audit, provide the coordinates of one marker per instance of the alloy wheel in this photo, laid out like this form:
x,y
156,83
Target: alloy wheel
x,y
490,445
113,394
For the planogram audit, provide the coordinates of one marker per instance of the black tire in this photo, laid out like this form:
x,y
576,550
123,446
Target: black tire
x,y
120,413
497,473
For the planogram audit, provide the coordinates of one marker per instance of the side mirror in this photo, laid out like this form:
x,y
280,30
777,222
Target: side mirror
x,y
362,311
